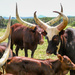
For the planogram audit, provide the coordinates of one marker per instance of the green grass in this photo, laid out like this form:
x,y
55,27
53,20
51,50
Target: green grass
x,y
40,52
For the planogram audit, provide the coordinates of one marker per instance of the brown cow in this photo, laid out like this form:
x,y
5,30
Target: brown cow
x,y
26,37
29,66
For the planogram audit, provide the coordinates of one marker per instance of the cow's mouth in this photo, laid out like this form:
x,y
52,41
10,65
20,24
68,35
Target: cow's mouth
x,y
50,52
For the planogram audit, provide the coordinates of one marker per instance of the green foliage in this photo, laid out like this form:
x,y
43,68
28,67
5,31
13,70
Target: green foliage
x,y
3,22
46,19
13,21
73,24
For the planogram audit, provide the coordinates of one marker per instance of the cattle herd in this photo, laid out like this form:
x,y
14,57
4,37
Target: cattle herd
x,y
25,35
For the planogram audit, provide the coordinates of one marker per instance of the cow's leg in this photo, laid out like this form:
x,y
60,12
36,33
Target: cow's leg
x,y
11,46
26,52
32,54
72,72
33,50
3,69
16,50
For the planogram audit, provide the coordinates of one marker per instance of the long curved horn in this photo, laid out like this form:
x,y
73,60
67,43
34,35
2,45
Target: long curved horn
x,y
2,38
29,25
6,53
55,19
40,23
64,23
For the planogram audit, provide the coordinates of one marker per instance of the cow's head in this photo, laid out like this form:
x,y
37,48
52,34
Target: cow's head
x,y
66,63
52,32
6,53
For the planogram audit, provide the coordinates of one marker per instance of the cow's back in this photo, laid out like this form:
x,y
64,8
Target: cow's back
x,y
17,34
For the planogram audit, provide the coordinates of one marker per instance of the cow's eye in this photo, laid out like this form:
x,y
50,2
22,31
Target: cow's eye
x,y
68,62
55,38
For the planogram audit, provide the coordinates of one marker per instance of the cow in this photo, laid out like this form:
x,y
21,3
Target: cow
x,y
31,66
59,40
26,37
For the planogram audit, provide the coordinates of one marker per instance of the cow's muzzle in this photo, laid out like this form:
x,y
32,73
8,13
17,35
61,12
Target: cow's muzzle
x,y
41,42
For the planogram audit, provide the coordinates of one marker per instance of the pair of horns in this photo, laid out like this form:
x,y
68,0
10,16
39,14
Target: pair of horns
x,y
45,26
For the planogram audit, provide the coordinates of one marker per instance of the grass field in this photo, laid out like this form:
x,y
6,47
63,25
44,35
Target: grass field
x,y
40,52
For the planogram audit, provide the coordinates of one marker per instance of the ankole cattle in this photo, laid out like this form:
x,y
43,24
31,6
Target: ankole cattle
x,y
30,66
26,35
59,40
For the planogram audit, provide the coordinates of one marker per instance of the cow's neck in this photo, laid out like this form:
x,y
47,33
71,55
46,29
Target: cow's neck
x,y
67,48
56,66
62,50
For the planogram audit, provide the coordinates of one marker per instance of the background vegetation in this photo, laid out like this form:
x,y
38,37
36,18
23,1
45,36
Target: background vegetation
x,y
40,52
3,22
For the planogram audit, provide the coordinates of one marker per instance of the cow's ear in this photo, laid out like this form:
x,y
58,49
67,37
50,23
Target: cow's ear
x,y
44,33
60,57
34,30
62,32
